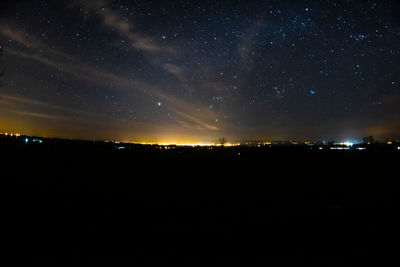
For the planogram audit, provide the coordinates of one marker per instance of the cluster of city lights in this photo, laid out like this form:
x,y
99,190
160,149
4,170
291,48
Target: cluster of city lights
x,y
11,134
346,145
339,148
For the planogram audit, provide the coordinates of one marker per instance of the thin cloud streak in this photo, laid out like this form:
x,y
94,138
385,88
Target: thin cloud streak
x,y
113,19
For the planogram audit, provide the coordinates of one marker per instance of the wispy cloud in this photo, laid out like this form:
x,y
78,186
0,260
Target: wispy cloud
x,y
177,71
196,115
31,107
18,36
32,43
39,115
113,19
246,45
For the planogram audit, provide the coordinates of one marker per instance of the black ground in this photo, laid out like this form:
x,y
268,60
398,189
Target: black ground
x,y
67,203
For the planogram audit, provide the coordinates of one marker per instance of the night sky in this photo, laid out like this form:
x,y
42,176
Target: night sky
x,y
193,71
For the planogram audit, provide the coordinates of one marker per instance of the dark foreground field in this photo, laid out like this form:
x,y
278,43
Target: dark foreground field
x,y
76,203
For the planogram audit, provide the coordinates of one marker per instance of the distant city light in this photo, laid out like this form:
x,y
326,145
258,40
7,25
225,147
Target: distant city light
x,y
11,134
340,148
347,143
26,140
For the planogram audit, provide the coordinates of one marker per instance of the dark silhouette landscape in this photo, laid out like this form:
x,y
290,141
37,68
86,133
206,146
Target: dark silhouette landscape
x,y
70,203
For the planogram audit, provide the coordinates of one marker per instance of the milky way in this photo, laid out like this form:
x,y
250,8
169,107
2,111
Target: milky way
x,y
178,71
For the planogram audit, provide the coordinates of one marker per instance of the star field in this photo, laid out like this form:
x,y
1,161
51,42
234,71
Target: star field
x,y
174,71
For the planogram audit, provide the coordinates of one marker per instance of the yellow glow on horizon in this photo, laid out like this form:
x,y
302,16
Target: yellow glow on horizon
x,y
192,144
184,144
